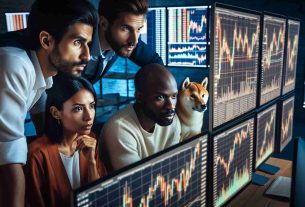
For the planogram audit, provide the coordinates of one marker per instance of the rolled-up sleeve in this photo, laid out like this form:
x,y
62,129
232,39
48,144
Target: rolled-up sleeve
x,y
15,84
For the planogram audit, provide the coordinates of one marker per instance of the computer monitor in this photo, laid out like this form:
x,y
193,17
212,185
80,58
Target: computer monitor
x,y
174,178
286,122
265,134
272,58
298,171
154,31
187,36
232,161
235,42
291,55
16,21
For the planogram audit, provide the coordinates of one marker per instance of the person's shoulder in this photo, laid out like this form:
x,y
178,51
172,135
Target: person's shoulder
x,y
13,58
13,51
39,145
124,115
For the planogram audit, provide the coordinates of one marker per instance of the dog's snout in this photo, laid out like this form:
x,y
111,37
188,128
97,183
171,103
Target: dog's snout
x,y
203,106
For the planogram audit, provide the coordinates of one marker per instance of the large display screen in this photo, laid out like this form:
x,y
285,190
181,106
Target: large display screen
x,y
187,36
232,161
272,58
176,178
236,48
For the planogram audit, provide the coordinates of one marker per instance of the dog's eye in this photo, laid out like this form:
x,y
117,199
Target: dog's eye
x,y
203,96
193,96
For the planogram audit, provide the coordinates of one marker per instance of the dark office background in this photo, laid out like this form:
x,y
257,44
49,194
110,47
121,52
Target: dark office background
x,y
290,8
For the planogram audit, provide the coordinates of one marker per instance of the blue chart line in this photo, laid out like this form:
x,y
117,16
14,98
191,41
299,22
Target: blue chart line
x,y
187,36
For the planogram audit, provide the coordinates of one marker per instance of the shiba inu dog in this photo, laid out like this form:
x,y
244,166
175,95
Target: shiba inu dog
x,y
191,105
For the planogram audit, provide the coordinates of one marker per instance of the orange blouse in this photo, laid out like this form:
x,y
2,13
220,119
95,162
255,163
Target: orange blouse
x,y
47,183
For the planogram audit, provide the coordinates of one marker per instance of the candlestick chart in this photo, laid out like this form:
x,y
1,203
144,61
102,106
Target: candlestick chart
x,y
236,47
187,36
265,134
291,55
272,58
175,178
232,161
287,122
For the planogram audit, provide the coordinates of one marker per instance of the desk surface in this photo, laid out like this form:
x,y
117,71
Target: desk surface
x,y
253,195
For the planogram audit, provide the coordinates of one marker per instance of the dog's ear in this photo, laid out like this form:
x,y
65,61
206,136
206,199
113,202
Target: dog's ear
x,y
185,84
204,82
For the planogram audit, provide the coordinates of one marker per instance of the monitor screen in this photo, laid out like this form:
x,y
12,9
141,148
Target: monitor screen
x,y
287,122
298,172
232,161
236,49
16,21
174,178
154,31
265,134
187,36
291,55
272,58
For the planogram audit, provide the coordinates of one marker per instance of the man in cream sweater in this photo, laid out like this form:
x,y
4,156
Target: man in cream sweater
x,y
147,126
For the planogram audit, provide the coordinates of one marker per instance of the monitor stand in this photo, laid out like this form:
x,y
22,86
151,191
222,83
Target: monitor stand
x,y
270,169
258,179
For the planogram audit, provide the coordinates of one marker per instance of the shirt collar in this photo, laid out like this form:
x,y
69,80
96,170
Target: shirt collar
x,y
40,82
107,54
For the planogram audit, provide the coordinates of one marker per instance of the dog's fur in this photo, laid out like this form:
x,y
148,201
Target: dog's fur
x,y
191,105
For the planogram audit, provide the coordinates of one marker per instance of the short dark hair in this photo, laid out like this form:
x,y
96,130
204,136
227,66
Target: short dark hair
x,y
64,87
112,9
56,16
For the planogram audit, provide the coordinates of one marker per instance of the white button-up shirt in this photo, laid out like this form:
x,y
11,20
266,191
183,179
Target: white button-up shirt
x,y
21,84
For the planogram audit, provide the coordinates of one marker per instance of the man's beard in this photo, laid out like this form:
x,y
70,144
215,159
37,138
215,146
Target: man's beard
x,y
116,47
62,65
158,118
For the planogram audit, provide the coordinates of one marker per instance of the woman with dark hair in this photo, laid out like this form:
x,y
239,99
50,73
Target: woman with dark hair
x,y
66,156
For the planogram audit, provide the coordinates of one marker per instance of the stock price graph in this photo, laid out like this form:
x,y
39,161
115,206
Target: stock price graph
x,y
272,57
265,134
154,31
235,64
291,55
176,178
232,161
187,36
287,122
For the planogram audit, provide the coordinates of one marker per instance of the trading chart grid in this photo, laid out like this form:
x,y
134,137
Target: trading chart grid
x,y
187,36
291,55
176,178
287,122
272,58
232,161
236,49
265,134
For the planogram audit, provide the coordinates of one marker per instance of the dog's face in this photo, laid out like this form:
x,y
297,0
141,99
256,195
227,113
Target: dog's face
x,y
195,95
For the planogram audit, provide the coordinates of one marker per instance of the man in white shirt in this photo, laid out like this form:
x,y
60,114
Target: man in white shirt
x,y
59,35
146,127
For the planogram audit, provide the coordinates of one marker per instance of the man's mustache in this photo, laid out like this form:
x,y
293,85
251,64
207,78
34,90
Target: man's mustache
x,y
83,62
169,112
